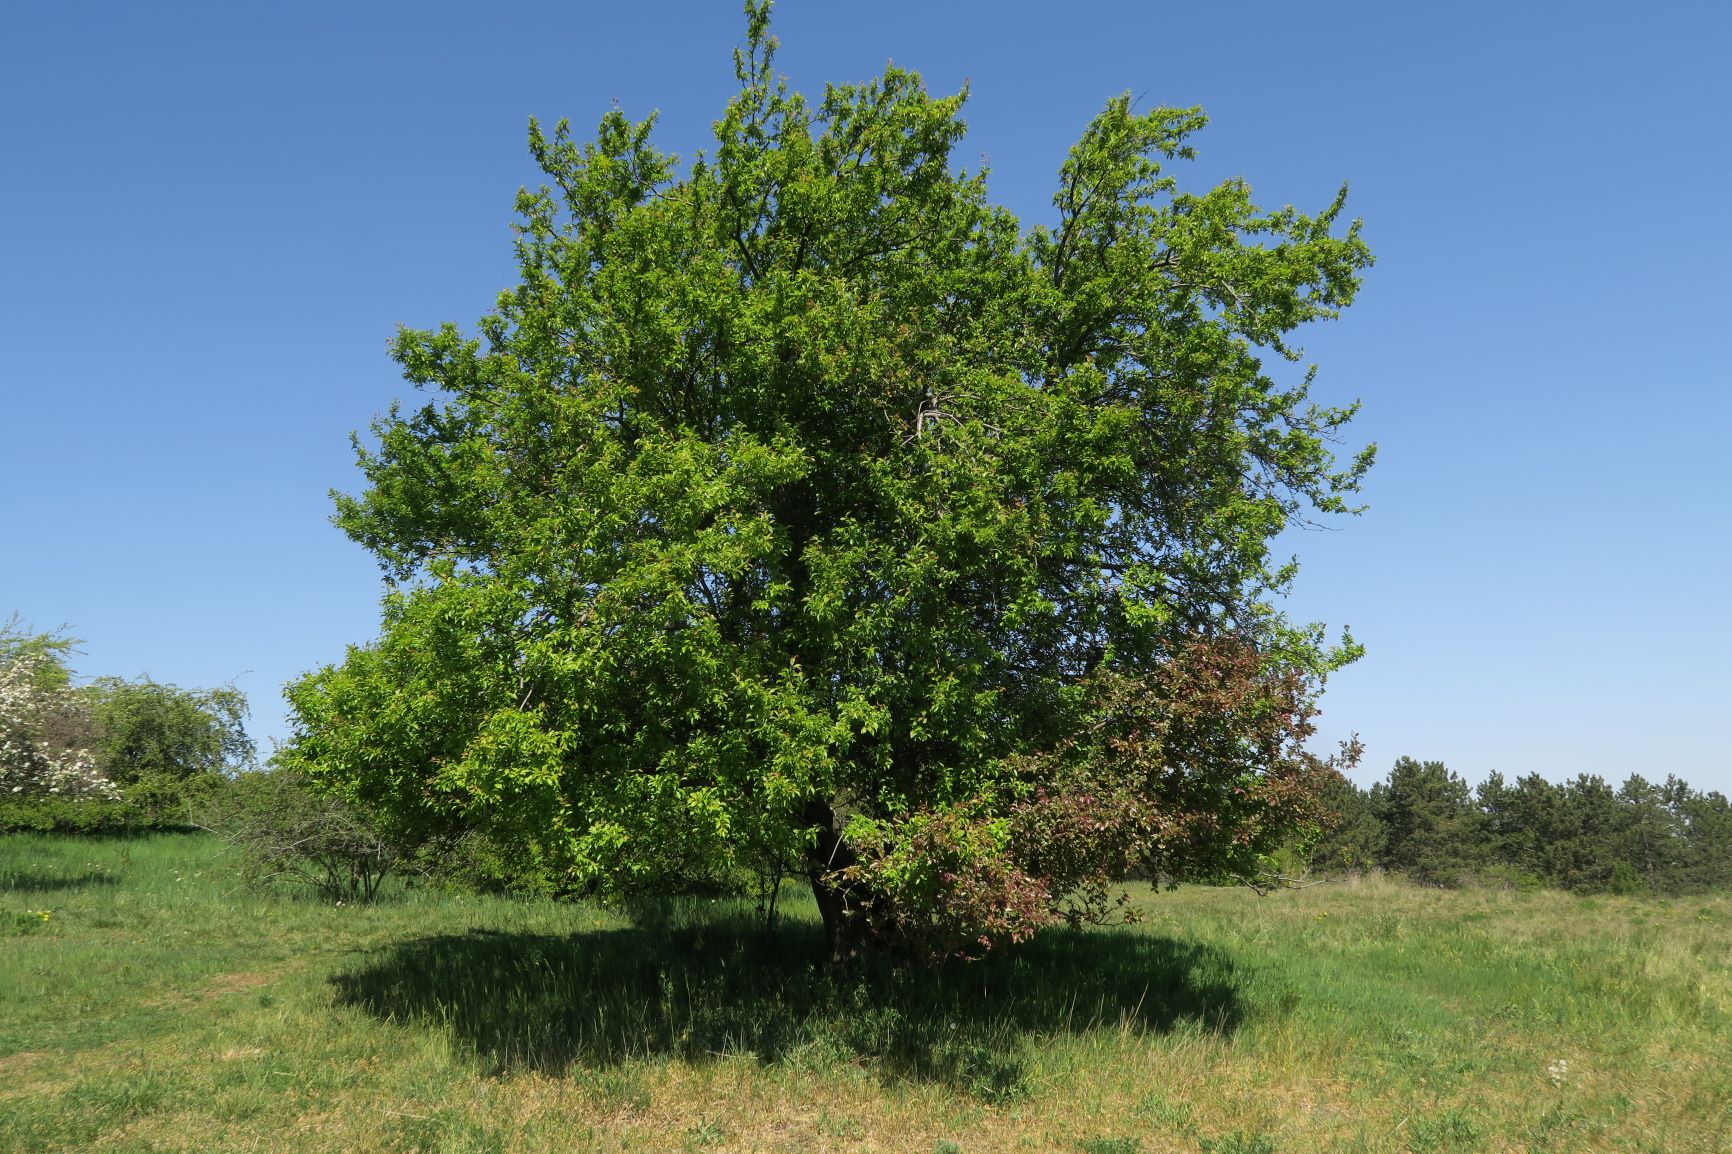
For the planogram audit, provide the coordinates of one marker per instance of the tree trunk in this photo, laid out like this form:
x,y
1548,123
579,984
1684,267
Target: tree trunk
x,y
844,922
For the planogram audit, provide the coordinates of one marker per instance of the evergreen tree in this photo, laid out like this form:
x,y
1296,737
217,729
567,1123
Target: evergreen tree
x,y
1582,850
1429,821
1706,819
1352,834
1651,838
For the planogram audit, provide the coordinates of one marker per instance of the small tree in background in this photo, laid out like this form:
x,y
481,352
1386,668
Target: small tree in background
x,y
1651,841
1706,819
46,730
146,729
1431,827
1351,836
285,831
44,653
167,747
45,737
1587,842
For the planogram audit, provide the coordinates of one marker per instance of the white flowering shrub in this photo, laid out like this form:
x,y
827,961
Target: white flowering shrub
x,y
44,732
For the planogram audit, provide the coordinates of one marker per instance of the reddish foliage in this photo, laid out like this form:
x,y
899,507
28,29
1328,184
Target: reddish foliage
x,y
1194,770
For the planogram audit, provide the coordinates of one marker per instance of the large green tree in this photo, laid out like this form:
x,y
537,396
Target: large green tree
x,y
801,509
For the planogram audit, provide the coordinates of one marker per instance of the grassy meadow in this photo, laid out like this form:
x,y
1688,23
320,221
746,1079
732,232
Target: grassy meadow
x,y
148,1003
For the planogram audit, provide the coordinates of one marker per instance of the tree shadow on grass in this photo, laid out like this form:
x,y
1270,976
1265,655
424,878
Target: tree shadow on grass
x,y
543,1002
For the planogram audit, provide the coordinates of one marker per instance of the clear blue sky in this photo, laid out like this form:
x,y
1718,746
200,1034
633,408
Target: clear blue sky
x,y
212,216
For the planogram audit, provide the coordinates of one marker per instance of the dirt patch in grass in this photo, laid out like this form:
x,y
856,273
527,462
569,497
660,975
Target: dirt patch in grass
x,y
236,983
13,1065
29,1073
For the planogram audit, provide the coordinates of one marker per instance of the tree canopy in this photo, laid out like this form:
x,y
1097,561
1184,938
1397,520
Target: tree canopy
x,y
146,728
799,509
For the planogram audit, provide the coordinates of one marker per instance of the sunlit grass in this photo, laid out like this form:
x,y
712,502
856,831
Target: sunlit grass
x,y
158,1006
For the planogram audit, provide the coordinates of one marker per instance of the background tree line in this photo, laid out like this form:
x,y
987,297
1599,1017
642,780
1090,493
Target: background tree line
x,y
1585,835
110,754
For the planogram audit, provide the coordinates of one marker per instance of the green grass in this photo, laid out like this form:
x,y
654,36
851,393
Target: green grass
x,y
158,1006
